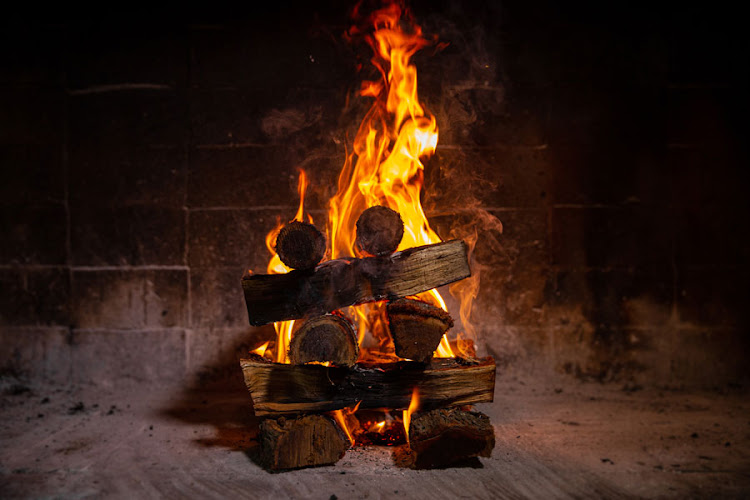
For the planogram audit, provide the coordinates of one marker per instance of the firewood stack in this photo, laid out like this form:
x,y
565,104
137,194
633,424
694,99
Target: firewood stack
x,y
301,401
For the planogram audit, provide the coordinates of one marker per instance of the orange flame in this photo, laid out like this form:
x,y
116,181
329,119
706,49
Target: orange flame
x,y
393,137
338,415
413,406
260,351
275,266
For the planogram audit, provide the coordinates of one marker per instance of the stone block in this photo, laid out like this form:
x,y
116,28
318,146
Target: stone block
x,y
140,175
100,54
106,358
231,238
713,296
36,353
610,237
32,116
127,236
217,297
116,122
492,178
129,299
33,234
31,174
34,296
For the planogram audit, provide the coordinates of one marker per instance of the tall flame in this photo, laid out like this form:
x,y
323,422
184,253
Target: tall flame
x,y
275,266
393,137
413,406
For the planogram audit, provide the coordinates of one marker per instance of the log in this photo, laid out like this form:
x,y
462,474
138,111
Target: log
x,y
307,441
379,231
344,282
300,245
330,337
442,437
416,328
278,389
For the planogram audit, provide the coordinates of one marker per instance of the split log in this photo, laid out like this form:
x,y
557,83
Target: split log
x,y
442,437
416,328
302,442
278,389
379,231
330,337
300,245
344,282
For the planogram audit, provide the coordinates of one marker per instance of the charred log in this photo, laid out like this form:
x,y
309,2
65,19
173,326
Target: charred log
x,y
344,282
300,245
307,441
442,437
379,231
416,328
278,389
327,338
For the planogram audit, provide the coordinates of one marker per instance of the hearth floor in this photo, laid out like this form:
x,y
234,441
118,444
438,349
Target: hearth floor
x,y
553,440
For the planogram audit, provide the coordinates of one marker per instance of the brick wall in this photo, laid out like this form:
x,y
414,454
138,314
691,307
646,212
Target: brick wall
x,y
142,165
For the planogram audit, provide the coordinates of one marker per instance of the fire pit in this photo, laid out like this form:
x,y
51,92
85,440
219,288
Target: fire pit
x,y
363,353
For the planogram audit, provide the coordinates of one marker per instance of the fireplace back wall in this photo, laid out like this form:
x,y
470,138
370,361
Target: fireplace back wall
x,y
143,164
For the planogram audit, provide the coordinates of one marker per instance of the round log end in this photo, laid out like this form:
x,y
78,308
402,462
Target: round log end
x,y
379,231
416,328
328,338
300,245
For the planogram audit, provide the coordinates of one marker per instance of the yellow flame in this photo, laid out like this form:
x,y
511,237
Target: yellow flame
x,y
275,266
338,415
413,406
393,137
260,351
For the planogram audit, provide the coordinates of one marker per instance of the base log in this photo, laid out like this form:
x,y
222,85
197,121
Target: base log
x,y
442,437
302,442
279,389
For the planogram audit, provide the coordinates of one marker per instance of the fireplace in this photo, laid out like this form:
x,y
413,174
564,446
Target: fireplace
x,y
145,163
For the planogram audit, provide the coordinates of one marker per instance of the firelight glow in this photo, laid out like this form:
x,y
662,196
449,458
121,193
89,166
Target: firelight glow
x,y
413,406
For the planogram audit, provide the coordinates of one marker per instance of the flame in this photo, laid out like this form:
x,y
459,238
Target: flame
x,y
260,351
413,406
275,266
393,137
338,415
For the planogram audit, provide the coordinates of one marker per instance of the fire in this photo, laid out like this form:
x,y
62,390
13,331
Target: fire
x,y
338,415
275,266
413,406
260,351
396,133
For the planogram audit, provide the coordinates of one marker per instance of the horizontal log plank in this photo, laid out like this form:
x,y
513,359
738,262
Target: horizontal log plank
x,y
279,389
345,282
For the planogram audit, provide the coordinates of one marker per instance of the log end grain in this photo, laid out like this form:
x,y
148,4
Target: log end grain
x,y
439,438
379,231
300,245
327,338
308,441
416,328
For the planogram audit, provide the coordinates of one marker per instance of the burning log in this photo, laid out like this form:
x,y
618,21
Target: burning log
x,y
441,437
302,442
300,245
379,231
330,337
278,389
416,328
344,282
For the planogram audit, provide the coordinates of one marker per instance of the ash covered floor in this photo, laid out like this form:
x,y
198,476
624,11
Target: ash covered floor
x,y
553,441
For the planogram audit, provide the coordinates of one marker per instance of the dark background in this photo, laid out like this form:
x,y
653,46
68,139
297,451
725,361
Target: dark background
x,y
143,162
